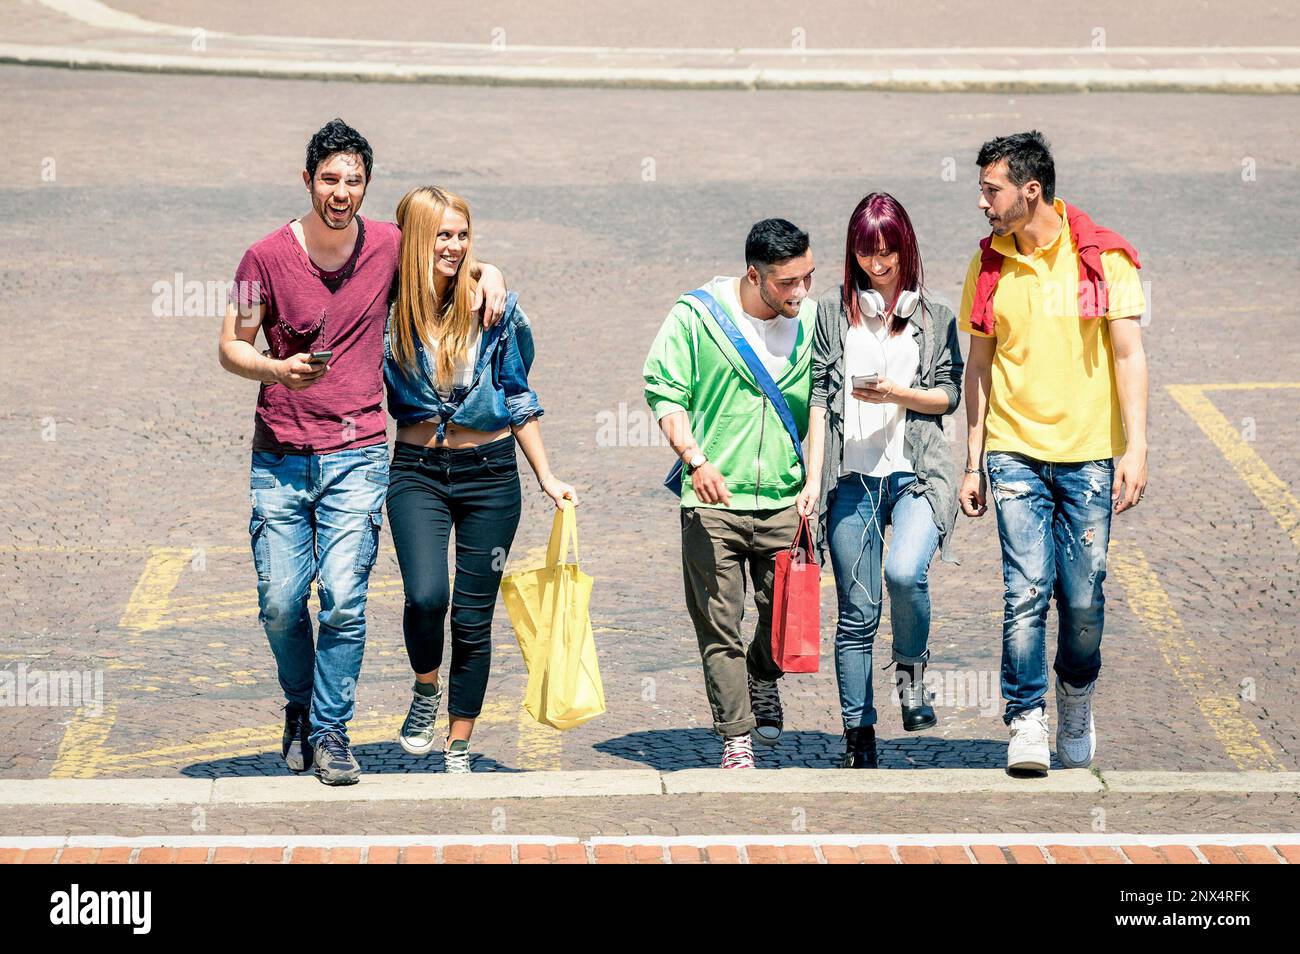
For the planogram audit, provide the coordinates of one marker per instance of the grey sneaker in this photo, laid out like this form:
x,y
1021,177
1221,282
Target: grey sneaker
x,y
1076,735
765,703
417,733
335,764
455,758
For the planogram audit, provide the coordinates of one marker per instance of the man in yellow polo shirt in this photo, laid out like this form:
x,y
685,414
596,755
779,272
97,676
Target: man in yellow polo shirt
x,y
1056,394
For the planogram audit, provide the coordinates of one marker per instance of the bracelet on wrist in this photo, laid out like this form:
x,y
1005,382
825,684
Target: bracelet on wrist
x,y
975,470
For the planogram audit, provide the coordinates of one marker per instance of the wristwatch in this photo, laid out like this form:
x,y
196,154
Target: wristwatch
x,y
697,460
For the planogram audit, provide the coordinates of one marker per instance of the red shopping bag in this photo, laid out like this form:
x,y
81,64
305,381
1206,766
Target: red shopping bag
x,y
797,604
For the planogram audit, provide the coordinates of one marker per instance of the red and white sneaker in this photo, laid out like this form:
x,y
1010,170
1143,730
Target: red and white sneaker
x,y
738,752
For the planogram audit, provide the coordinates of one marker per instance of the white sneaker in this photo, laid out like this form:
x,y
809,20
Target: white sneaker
x,y
455,758
1076,735
1028,750
417,735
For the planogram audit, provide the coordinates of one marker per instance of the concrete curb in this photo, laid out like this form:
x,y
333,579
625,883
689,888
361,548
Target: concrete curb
x,y
1147,783
123,791
1172,80
632,782
804,781
422,787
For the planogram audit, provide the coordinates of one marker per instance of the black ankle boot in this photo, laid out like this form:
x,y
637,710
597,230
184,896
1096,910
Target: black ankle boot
x,y
859,748
917,713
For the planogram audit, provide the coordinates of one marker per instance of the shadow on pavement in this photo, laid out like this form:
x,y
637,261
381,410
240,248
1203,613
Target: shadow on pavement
x,y
671,749
376,758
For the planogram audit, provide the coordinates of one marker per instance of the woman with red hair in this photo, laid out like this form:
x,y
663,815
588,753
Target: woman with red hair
x,y
886,369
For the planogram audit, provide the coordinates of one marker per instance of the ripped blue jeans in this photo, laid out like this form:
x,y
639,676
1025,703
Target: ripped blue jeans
x,y
317,516
1054,525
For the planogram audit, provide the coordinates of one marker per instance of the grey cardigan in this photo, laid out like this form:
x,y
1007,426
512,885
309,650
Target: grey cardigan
x,y
935,328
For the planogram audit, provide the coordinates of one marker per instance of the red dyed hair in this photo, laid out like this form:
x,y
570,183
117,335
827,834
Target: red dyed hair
x,y
880,219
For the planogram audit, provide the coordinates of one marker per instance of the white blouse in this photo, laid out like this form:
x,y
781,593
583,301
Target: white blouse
x,y
873,433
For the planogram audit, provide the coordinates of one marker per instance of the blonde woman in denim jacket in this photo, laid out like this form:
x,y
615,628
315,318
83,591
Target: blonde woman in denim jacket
x,y
462,402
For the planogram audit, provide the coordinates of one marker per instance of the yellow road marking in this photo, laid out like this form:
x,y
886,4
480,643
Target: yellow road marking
x,y
236,604
88,755
538,746
1240,386
1218,704
153,590
84,751
243,602
248,597
83,739
1267,487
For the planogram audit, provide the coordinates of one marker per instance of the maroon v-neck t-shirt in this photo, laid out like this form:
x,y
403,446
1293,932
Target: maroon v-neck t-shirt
x,y
344,408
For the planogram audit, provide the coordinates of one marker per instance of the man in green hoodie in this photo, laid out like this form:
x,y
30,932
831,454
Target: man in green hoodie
x,y
745,472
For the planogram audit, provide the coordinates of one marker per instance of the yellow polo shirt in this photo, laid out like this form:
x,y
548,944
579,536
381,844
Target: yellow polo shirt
x,y
1053,394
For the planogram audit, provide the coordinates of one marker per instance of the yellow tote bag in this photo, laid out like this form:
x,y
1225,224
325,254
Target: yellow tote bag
x,y
548,609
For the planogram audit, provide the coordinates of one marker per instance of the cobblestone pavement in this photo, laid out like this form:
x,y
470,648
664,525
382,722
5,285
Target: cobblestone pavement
x,y
124,447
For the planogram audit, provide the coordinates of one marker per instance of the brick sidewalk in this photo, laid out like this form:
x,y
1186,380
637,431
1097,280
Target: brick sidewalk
x,y
586,853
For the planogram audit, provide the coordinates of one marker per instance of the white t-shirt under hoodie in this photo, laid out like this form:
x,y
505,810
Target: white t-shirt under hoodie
x,y
772,340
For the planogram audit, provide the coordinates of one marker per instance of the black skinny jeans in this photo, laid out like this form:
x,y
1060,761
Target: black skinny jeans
x,y
476,490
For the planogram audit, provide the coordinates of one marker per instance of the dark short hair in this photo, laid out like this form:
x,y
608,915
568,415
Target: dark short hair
x,y
774,240
1028,156
335,137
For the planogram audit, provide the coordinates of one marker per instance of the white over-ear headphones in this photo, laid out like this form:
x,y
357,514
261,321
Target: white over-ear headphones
x,y
872,303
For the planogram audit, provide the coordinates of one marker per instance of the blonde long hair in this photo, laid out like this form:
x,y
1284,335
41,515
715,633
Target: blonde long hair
x,y
417,312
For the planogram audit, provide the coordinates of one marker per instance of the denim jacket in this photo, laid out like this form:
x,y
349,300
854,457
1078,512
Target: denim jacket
x,y
498,395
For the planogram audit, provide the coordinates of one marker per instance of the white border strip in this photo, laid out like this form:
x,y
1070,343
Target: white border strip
x,y
893,840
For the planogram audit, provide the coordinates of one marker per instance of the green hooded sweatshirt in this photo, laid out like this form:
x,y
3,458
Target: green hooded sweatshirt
x,y
694,367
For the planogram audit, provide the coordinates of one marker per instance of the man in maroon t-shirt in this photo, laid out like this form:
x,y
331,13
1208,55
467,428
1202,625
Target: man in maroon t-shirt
x,y
318,288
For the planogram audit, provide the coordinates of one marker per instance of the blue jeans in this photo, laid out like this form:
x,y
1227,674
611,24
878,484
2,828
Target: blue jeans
x,y
1054,524
856,544
317,517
